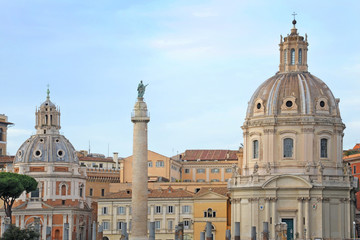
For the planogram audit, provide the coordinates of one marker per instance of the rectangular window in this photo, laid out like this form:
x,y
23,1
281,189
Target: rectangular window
x,y
157,224
186,224
323,146
354,169
186,209
91,192
200,180
170,209
102,192
256,149
215,180
288,147
228,170
187,170
215,170
170,224
200,170
35,193
121,210
150,164
104,210
101,165
157,209
119,225
187,180
105,225
159,163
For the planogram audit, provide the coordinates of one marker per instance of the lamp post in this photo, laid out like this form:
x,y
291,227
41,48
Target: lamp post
x,y
354,224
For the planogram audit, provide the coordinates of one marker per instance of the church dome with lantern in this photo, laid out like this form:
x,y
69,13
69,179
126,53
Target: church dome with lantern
x,y
47,145
289,114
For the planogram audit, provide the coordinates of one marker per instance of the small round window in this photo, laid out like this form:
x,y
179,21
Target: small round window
x,y
289,104
322,104
258,106
57,140
37,153
60,153
41,140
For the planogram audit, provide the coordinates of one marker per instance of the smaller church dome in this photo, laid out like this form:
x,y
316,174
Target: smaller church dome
x,y
48,145
46,148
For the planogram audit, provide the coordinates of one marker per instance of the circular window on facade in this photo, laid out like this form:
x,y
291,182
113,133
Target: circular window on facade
x,y
289,103
37,153
60,153
41,140
57,140
258,106
322,104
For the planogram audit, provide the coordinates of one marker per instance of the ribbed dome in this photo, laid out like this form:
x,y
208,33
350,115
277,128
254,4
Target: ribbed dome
x,y
46,148
293,93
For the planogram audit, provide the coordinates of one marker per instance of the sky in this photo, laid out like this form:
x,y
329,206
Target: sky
x,y
202,60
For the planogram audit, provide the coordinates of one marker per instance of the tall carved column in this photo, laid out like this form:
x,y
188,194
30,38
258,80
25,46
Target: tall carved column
x,y
274,216
139,200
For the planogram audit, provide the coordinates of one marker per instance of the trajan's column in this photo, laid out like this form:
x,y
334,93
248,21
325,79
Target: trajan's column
x,y
139,200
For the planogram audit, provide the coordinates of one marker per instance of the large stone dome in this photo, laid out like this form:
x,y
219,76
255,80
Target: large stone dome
x,y
46,148
293,93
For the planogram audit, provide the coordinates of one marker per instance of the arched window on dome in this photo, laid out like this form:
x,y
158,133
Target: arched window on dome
x,y
300,56
292,56
323,148
255,149
288,147
285,56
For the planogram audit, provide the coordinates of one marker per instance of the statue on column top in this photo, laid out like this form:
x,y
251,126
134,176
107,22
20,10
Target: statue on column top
x,y
141,89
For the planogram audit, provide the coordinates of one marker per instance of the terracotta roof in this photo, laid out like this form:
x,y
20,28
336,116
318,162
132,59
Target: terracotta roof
x,y
357,146
6,159
193,155
219,190
96,159
153,193
352,157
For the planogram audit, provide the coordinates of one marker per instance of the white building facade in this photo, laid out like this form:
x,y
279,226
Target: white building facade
x,y
292,171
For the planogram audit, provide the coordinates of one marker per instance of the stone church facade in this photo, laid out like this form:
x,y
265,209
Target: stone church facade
x,y
292,170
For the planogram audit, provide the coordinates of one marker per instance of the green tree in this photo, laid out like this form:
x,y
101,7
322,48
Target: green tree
x,y
12,185
15,233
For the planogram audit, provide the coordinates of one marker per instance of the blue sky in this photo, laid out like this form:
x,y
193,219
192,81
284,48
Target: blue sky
x,y
202,60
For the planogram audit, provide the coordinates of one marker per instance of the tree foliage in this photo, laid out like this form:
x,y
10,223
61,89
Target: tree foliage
x,y
15,233
12,185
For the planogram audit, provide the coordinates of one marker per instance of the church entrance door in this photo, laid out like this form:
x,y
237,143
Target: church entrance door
x,y
290,228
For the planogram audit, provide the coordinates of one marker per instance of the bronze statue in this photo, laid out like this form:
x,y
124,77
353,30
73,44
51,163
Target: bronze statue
x,y
141,89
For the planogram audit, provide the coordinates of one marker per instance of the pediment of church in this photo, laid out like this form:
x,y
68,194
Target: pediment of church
x,y
287,182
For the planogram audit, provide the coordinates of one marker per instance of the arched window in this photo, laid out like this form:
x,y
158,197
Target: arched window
x,y
285,56
288,147
323,148
46,119
210,213
292,56
300,56
63,190
255,149
81,191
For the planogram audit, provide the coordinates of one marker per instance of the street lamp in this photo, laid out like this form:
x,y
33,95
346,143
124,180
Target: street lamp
x,y
354,224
